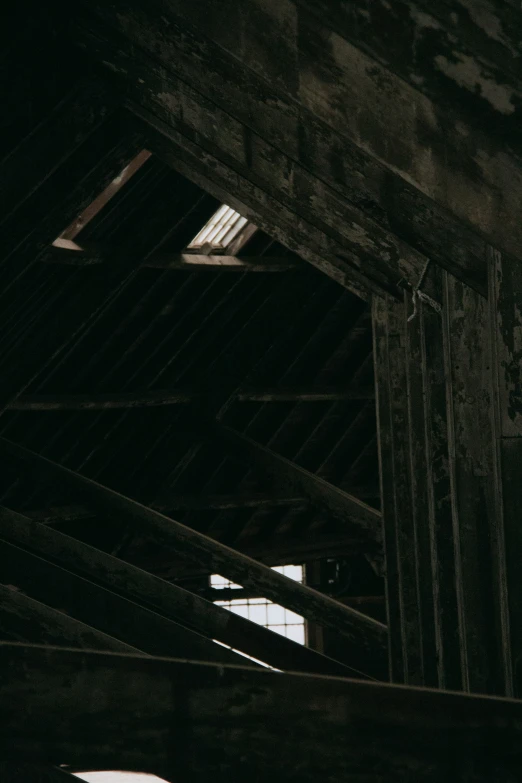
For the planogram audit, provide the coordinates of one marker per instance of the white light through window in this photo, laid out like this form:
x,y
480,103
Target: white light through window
x,y
262,611
221,229
118,777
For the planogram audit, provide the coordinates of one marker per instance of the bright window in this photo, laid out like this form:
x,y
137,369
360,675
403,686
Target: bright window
x,y
221,229
117,777
262,611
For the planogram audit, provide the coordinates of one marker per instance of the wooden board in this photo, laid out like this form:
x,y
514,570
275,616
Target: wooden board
x,y
202,722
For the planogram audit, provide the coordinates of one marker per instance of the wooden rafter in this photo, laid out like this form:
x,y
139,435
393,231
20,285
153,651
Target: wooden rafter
x,y
434,222
187,262
166,599
324,496
367,637
126,400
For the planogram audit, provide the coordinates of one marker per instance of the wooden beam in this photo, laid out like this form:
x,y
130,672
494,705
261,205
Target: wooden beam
x,y
322,140
305,395
147,399
103,610
367,637
357,516
168,600
85,305
337,233
25,619
335,84
188,262
227,722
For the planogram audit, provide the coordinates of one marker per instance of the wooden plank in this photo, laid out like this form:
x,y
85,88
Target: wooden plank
x,y
351,238
104,610
367,637
457,54
420,474
85,306
402,596
187,262
127,400
227,722
63,195
166,599
304,395
122,400
471,453
505,287
329,128
25,619
439,509
352,512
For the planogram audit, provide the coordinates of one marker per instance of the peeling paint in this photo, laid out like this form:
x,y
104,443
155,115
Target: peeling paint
x,y
467,73
487,22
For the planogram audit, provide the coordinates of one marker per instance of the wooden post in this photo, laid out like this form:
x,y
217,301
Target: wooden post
x,y
391,374
505,295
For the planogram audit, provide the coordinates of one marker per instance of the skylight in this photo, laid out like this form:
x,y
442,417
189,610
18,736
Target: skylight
x,y
67,237
222,228
118,777
262,611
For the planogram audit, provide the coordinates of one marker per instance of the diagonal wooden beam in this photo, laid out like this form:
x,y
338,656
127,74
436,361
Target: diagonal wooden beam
x,y
127,400
226,723
324,496
333,155
367,637
187,262
26,619
103,610
166,599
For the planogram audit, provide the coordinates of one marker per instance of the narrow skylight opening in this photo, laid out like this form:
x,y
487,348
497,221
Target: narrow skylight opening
x,y
118,777
66,238
224,226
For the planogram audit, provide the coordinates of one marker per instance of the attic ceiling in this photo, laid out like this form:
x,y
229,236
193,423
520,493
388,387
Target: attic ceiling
x,y
230,388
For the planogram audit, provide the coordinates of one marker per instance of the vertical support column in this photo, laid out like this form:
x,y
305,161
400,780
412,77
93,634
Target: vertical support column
x,y
450,449
390,356
468,362
439,509
505,298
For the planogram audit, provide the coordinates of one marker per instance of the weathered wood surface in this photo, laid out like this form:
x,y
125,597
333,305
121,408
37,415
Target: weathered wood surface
x,y
330,118
439,509
73,402
505,290
367,637
324,496
85,304
59,199
224,723
186,262
25,619
104,610
402,591
468,363
166,599
339,227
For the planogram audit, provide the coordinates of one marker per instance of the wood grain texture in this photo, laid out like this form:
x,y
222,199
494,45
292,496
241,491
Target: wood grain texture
x,y
166,599
203,721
